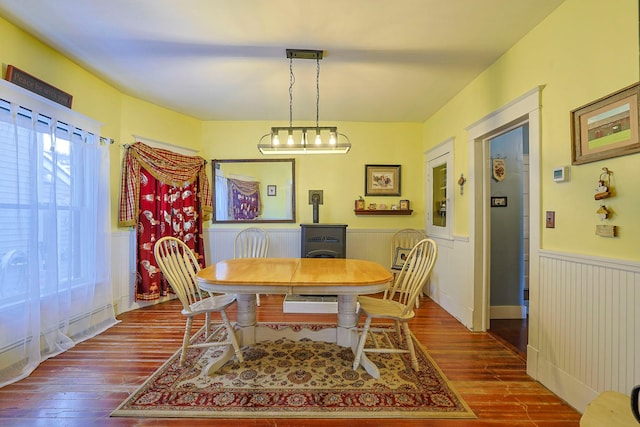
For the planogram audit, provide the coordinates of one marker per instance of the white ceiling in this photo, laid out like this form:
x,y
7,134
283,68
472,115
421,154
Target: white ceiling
x,y
384,61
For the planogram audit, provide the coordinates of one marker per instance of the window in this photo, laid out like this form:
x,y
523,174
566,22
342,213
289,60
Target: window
x,y
51,196
55,287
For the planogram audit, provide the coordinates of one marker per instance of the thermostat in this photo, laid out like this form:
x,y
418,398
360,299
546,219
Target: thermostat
x,y
561,174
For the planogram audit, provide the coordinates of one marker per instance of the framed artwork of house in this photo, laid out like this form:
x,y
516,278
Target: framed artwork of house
x,y
607,127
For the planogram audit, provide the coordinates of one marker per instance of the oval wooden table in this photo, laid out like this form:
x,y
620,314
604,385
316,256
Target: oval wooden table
x,y
343,277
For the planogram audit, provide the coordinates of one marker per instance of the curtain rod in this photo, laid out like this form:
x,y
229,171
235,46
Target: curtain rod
x,y
162,144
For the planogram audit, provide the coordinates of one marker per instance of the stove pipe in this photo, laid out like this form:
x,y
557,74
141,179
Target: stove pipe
x,y
315,200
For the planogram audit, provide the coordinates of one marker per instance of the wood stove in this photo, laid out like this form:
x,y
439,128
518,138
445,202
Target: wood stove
x,y
323,241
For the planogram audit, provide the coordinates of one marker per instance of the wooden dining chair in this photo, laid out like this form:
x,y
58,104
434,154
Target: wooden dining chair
x,y
398,305
401,244
252,242
179,266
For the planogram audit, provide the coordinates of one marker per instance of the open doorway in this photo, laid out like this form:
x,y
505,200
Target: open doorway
x,y
509,237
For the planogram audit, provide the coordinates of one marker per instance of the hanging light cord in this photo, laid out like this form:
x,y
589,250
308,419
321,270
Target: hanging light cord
x,y
317,90
291,82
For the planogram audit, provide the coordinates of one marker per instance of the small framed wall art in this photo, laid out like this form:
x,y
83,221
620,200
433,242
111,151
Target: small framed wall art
x,y
607,127
498,202
382,180
271,190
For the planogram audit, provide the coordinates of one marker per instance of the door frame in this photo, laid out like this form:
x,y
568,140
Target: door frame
x,y
522,110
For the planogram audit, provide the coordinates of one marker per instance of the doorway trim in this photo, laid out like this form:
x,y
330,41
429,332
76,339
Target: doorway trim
x,y
522,110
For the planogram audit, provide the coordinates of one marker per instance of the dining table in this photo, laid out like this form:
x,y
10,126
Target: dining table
x,y
344,278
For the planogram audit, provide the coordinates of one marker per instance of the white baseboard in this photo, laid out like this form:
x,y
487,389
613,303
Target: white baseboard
x,y
508,312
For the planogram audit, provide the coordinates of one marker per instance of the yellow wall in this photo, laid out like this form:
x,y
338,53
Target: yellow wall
x,y
585,50
341,177
121,115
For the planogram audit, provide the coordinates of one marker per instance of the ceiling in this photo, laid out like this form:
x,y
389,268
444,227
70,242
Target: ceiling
x,y
384,61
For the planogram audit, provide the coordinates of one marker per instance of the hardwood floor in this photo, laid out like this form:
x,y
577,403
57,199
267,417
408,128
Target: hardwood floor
x,y
511,332
83,385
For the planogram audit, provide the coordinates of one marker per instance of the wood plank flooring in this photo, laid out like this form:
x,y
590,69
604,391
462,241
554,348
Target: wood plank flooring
x,y
512,333
83,385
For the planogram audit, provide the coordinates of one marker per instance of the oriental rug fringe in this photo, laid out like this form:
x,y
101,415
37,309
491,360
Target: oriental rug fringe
x,y
295,379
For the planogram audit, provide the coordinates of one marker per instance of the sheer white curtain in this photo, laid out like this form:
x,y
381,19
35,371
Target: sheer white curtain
x,y
55,284
222,197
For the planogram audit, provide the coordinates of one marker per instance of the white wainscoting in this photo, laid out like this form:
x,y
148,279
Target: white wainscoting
x,y
451,283
123,273
587,337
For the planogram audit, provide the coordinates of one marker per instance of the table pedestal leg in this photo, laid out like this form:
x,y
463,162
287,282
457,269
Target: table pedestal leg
x,y
246,330
347,330
246,319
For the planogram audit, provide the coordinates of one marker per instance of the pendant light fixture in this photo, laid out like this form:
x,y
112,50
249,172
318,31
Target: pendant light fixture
x,y
304,139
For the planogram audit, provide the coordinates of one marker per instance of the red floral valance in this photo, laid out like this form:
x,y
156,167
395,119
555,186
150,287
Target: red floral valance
x,y
166,166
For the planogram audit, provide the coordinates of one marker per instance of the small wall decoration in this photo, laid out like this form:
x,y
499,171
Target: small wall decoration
x,y
607,127
603,212
461,181
35,85
603,190
382,180
498,202
404,205
271,190
499,169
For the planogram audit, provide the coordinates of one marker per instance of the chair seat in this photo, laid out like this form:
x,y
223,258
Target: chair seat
x,y
213,303
383,308
397,304
180,267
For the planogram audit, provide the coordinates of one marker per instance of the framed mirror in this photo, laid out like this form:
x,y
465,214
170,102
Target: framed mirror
x,y
253,190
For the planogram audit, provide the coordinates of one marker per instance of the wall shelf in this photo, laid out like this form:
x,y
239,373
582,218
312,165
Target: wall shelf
x,y
383,211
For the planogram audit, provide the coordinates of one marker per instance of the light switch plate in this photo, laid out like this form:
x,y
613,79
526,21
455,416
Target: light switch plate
x,y
551,219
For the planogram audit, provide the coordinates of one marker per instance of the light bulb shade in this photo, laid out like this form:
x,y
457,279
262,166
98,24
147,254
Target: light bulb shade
x,y
338,143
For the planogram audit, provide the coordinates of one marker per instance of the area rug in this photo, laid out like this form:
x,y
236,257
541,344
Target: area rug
x,y
288,378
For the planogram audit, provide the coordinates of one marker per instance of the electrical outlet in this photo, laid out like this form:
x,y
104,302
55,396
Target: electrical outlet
x,y
317,193
551,219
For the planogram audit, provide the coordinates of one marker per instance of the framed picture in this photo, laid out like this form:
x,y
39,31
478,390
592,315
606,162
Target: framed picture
x,y
271,190
382,180
400,257
498,202
404,205
607,127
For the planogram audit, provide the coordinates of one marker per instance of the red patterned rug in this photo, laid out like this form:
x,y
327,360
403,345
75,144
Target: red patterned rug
x,y
296,379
